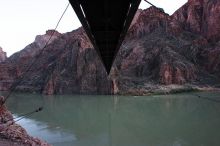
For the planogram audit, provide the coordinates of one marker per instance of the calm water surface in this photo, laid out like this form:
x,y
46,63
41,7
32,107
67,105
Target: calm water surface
x,y
170,120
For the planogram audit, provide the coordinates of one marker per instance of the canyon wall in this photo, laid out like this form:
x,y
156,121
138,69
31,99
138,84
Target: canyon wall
x,y
159,50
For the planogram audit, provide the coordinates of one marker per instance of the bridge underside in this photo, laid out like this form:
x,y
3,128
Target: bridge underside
x,y
106,23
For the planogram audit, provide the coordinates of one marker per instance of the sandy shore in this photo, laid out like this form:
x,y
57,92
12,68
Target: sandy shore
x,y
165,89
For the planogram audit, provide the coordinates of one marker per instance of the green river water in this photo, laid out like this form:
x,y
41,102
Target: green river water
x,y
159,120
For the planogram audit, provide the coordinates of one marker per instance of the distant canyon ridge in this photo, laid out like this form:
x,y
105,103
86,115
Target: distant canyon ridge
x,y
160,54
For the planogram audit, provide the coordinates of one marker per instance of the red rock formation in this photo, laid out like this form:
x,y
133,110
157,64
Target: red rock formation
x,y
6,76
166,74
202,17
50,86
176,74
41,40
159,49
211,59
67,65
148,20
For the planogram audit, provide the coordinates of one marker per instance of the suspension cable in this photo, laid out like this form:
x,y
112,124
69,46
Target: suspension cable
x,y
20,78
150,3
20,117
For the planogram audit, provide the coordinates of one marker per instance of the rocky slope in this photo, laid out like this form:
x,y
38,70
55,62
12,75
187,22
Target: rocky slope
x,y
13,134
163,50
67,65
201,17
159,51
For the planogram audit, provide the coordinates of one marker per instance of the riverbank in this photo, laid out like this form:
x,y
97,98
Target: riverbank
x,y
7,142
13,134
148,89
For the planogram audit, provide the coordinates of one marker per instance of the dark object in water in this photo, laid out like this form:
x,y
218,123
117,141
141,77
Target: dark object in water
x,y
207,98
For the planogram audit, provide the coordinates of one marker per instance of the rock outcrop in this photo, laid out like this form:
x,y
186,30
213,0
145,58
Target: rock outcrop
x,y
68,64
202,17
3,55
161,49
12,133
158,51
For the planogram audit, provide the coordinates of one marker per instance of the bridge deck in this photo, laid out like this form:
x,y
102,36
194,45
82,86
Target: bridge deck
x,y
106,23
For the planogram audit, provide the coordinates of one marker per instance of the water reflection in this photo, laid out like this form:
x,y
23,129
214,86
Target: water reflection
x,y
177,120
42,130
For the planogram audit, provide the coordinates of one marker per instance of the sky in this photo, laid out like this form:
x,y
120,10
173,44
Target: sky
x,y
22,20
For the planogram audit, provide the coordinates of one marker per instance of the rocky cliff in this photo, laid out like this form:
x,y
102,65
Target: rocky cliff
x,y
67,65
201,17
158,52
4,76
3,55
